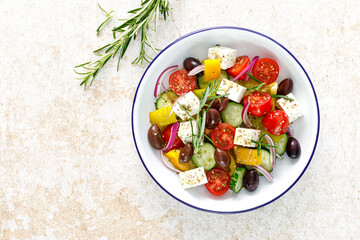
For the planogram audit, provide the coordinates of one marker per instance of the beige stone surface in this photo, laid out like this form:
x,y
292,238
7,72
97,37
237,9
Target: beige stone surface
x,y
68,165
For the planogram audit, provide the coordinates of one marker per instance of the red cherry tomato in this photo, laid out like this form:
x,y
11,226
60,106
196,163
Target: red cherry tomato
x,y
178,143
276,122
218,181
180,82
266,70
241,63
223,136
260,103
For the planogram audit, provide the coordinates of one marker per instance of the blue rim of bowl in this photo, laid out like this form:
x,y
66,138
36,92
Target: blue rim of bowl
x,y
242,29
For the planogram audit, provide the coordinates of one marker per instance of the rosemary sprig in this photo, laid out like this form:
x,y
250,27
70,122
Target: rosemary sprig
x,y
144,18
282,96
251,76
260,144
258,87
109,16
209,92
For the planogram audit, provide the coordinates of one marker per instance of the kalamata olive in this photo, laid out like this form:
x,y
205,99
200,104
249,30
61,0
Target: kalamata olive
x,y
220,105
186,153
285,87
212,118
222,158
190,63
293,148
155,137
224,102
251,180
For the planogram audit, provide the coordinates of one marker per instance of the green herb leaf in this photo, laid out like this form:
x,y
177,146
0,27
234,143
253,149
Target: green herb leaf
x,y
282,96
109,16
251,76
143,19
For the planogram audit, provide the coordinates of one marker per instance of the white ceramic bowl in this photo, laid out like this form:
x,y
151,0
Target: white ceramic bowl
x,y
247,42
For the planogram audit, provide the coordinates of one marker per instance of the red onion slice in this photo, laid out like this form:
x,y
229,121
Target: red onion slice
x,y
174,129
161,79
251,65
264,172
245,116
196,70
272,150
167,164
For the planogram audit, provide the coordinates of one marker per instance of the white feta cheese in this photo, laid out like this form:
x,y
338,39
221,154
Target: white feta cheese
x,y
185,133
292,108
243,137
227,56
190,102
193,178
236,92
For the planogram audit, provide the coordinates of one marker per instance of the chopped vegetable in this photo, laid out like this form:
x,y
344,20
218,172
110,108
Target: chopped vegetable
x,y
211,69
247,156
162,117
173,157
161,79
236,182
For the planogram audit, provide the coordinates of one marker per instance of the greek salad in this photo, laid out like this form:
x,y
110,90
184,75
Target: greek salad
x,y
222,122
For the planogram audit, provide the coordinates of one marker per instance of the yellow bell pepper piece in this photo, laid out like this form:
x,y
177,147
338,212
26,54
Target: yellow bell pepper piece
x,y
232,165
161,117
247,156
271,88
211,69
200,92
173,157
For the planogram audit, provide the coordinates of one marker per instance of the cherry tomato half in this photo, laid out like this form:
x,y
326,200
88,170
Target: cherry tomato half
x,y
260,103
276,122
241,63
223,136
178,143
218,181
180,82
266,70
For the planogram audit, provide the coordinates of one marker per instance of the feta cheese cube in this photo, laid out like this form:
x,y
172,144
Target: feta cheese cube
x,y
227,56
185,133
235,91
193,178
190,102
243,137
292,108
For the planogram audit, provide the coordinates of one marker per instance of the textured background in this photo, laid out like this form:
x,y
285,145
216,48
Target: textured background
x,y
68,165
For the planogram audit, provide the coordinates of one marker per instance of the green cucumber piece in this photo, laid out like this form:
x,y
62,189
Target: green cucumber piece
x,y
236,182
204,157
232,114
164,100
281,144
203,84
266,160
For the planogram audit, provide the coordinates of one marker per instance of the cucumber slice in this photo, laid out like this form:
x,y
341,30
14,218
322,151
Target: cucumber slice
x,y
281,144
266,160
236,182
203,84
204,157
164,100
232,114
